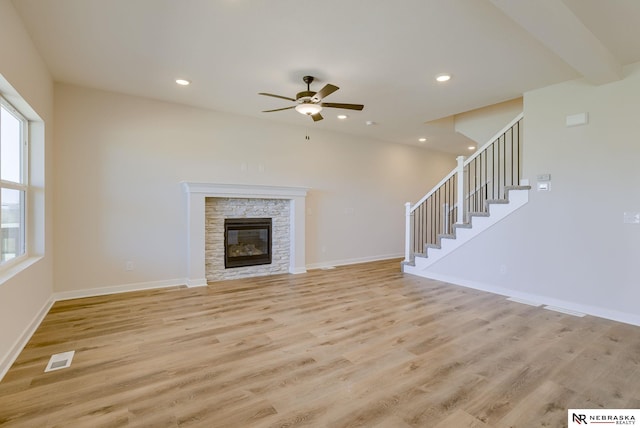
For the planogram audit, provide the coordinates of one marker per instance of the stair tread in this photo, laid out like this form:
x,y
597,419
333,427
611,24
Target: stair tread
x,y
469,223
462,226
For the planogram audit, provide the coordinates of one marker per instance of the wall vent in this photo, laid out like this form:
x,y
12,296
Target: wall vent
x,y
60,361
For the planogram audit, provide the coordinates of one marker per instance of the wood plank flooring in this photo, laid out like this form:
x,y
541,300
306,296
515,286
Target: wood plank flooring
x,y
357,346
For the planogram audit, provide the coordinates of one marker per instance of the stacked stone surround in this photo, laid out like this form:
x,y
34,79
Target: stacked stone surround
x,y
217,209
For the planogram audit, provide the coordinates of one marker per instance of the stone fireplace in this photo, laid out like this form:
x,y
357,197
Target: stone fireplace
x,y
209,205
245,215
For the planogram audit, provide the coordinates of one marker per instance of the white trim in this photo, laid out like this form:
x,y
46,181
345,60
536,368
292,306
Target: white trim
x,y
197,282
595,311
14,266
564,311
345,262
223,190
10,357
116,289
14,352
524,302
407,232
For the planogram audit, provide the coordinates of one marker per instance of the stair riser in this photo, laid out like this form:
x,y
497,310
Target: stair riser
x,y
497,212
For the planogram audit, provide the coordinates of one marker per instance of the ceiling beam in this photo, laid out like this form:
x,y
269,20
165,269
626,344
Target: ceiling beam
x,y
556,26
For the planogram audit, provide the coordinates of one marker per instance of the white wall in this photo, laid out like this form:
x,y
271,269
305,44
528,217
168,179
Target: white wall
x,y
569,246
482,124
120,160
26,292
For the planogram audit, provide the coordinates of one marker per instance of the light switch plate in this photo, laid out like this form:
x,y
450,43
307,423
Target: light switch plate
x,y
577,119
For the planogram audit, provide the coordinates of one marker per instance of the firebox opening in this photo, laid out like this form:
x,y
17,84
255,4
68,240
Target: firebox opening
x,y
247,242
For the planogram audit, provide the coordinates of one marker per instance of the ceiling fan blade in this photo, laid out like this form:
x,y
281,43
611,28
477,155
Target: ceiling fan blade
x,y
347,106
276,96
278,109
327,90
316,117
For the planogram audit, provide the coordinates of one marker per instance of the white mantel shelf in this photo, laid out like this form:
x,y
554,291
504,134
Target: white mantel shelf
x,y
196,196
245,191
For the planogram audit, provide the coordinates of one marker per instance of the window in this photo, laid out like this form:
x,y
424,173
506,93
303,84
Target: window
x,y
13,182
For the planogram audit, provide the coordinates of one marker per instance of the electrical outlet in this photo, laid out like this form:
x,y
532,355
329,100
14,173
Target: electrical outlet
x,y
128,266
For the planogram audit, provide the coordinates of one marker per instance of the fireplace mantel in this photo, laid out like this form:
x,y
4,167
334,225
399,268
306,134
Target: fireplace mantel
x,y
198,192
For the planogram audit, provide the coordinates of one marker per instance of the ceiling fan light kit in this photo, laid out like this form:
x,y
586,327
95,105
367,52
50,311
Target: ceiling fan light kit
x,y
308,108
310,103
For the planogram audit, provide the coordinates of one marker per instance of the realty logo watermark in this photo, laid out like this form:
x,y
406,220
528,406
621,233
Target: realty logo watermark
x,y
600,417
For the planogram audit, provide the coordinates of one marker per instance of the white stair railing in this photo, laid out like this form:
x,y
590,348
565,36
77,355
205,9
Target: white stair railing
x,y
484,176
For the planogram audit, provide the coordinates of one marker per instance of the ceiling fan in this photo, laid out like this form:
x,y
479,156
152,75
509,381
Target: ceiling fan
x,y
310,103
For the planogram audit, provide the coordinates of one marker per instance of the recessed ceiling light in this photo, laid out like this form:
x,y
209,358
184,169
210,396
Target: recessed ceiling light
x,y
443,77
422,140
183,82
370,123
471,147
342,116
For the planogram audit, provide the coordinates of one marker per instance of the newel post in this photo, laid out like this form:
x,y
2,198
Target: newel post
x,y
407,232
460,190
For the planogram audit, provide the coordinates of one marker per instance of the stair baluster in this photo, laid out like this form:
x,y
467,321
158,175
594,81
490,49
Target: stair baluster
x,y
483,178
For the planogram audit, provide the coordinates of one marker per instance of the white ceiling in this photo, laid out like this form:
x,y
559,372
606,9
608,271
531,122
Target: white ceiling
x,y
381,53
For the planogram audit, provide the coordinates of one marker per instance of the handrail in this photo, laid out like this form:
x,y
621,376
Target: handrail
x,y
494,138
450,201
435,188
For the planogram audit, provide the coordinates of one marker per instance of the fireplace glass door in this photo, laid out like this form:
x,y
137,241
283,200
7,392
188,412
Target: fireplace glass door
x,y
247,242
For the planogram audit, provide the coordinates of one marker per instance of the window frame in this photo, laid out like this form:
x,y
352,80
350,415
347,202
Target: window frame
x,y
22,186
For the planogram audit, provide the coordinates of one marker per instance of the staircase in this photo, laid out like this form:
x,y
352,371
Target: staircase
x,y
478,193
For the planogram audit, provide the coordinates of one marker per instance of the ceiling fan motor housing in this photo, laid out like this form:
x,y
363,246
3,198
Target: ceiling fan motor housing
x,y
304,96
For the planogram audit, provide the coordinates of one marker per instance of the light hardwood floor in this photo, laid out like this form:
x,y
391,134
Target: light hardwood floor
x,y
362,345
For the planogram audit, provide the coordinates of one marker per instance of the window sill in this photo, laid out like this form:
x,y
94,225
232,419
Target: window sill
x,y
8,272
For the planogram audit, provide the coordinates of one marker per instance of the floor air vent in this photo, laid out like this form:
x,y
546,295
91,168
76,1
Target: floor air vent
x,y
564,311
524,302
60,361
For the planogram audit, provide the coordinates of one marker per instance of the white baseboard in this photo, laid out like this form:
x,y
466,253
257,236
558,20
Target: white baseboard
x,y
7,360
115,289
198,282
10,357
595,311
346,262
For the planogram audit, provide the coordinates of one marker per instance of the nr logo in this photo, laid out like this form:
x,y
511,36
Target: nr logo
x,y
580,419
